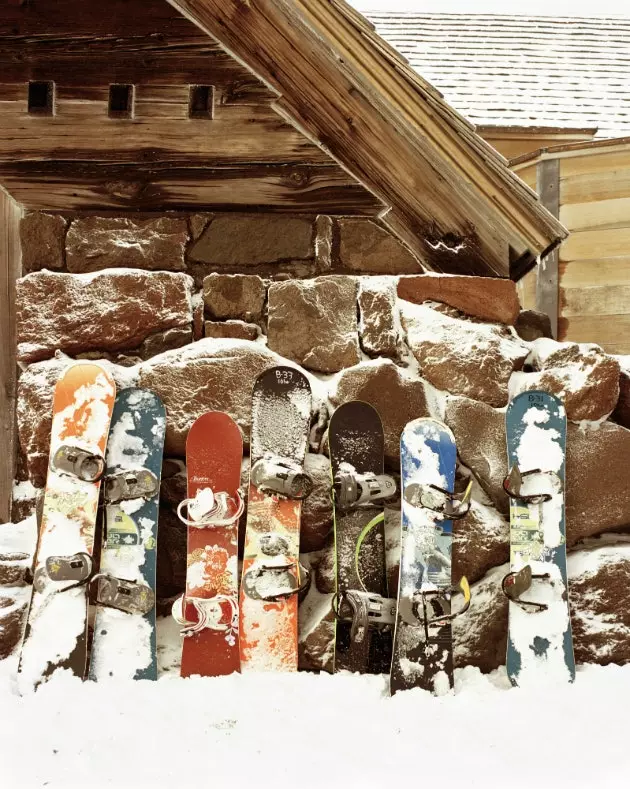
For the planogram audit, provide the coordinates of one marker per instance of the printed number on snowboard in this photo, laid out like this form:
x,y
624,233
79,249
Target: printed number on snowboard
x,y
284,376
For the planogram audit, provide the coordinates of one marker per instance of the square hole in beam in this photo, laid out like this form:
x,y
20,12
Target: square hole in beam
x,y
201,101
41,98
121,101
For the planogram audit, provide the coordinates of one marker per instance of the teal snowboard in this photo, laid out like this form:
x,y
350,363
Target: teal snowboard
x,y
124,644
540,645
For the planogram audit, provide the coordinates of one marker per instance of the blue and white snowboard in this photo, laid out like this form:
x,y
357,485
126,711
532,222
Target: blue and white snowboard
x,y
540,645
124,644
423,644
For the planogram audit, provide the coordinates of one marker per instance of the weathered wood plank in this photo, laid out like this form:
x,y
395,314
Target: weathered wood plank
x,y
10,268
159,132
594,186
612,332
548,187
342,86
526,289
599,215
586,273
91,185
596,244
596,162
597,300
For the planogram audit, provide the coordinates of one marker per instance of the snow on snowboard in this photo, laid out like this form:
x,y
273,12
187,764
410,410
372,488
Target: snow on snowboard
x,y
423,643
55,638
364,613
540,646
208,610
124,644
281,411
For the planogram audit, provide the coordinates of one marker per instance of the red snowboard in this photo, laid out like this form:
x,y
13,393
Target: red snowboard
x,y
214,451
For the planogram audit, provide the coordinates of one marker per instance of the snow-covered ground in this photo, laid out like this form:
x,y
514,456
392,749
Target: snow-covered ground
x,y
291,731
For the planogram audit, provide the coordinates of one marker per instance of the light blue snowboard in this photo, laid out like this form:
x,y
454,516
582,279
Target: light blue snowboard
x,y
124,643
423,655
540,645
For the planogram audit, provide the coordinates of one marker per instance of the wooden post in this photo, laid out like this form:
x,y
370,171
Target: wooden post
x,y
548,187
10,270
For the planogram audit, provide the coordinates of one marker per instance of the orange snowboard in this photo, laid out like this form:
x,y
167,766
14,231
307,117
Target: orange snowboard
x,y
214,451
56,631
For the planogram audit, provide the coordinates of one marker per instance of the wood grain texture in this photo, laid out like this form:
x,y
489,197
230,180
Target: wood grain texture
x,y
63,186
587,273
358,99
612,332
10,270
548,187
597,215
601,300
597,244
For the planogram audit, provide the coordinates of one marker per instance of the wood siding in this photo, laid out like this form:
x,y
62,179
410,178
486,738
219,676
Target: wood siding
x,y
10,268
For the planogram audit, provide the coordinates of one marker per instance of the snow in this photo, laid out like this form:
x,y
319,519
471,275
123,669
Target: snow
x,y
308,730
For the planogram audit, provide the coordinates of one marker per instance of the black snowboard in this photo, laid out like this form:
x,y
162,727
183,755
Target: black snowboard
x,y
356,438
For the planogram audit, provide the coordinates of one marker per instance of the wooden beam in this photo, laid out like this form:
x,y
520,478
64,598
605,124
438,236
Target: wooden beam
x,y
303,188
10,270
548,187
356,98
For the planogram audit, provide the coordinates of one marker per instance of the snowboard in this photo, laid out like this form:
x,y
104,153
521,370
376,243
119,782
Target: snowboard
x,y
540,644
364,613
423,641
124,642
281,410
214,451
55,637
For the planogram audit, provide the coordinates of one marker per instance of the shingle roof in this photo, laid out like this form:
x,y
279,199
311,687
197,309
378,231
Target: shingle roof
x,y
521,71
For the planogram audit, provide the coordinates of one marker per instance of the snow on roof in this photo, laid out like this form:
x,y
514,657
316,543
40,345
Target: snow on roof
x,y
521,71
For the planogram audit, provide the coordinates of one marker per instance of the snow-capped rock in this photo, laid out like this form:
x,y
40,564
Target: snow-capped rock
x,y
378,321
237,296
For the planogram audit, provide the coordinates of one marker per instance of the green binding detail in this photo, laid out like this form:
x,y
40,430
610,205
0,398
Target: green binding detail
x,y
360,540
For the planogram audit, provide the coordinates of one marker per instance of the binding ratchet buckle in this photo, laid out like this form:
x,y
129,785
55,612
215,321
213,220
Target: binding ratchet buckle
x,y
352,490
125,485
127,596
513,485
281,477
88,466
210,614
277,577
517,582
364,610
452,506
432,607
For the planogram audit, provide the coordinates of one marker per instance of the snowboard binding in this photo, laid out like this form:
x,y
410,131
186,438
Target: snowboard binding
x,y
127,596
77,569
210,509
451,506
210,614
432,608
281,477
513,485
364,610
277,577
126,485
352,490
517,582
86,466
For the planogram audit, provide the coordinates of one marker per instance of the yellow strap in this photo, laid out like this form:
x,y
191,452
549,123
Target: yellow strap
x,y
364,533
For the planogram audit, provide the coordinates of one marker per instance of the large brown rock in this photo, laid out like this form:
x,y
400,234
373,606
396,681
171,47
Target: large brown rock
x,y
235,240
42,237
599,578
531,325
108,311
493,300
622,411
584,377
377,307
396,395
171,554
12,620
165,341
237,329
481,541
95,242
317,517
209,375
314,322
240,296
597,490
462,357
367,247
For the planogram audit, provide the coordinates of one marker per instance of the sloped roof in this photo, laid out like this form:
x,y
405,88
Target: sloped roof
x,y
521,71
447,194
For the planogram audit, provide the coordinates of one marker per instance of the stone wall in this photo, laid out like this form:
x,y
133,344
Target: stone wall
x,y
195,307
